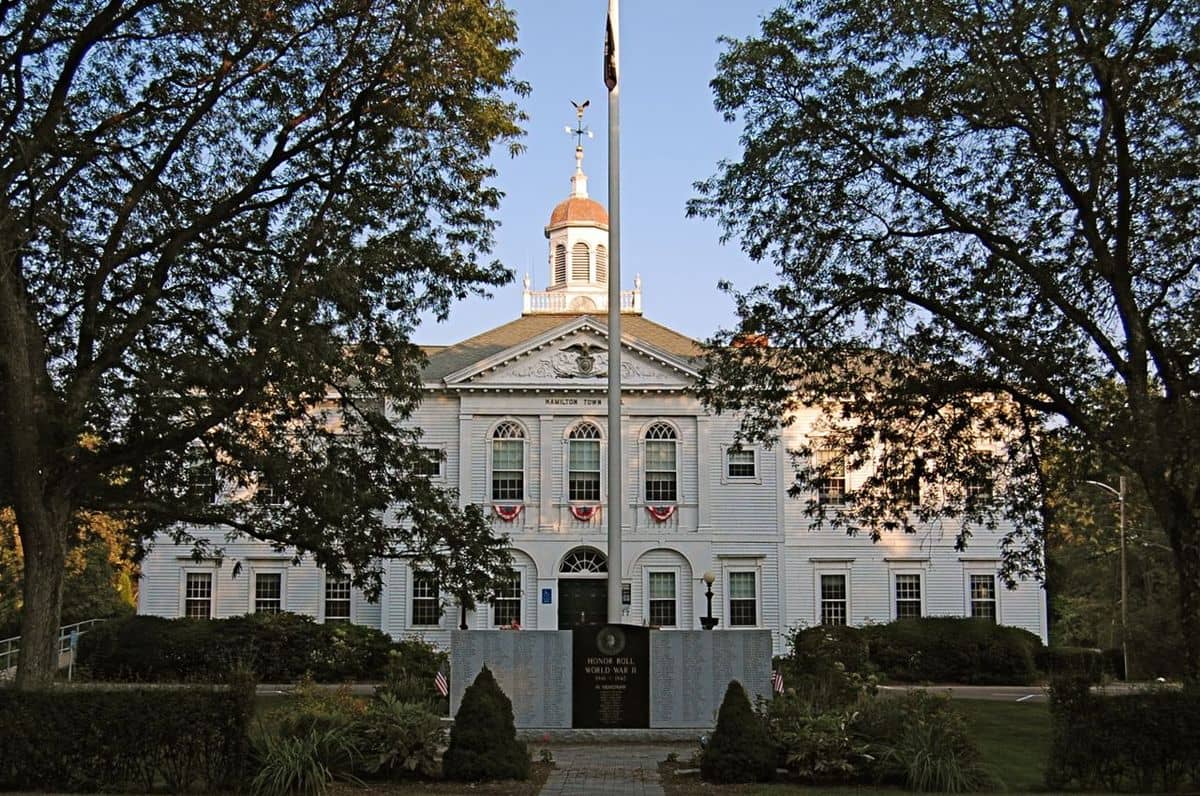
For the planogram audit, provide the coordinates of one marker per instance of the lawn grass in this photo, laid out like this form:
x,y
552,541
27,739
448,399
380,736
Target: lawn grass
x,y
1014,738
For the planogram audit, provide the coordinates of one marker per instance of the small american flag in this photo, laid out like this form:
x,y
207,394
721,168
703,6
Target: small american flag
x,y
777,681
439,682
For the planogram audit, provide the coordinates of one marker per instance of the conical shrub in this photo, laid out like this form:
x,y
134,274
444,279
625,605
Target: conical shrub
x,y
739,750
483,741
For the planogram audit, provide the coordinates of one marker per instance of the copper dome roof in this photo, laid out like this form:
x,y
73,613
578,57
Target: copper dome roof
x,y
578,209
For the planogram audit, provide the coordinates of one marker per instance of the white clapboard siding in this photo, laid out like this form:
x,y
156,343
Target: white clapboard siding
x,y
662,558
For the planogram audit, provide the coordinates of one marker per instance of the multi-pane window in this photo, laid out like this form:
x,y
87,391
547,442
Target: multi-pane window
x,y
268,592
908,596
983,597
980,485
197,597
337,598
201,475
662,472
833,599
743,599
508,462
506,604
430,464
831,479
583,463
662,599
426,607
267,493
739,463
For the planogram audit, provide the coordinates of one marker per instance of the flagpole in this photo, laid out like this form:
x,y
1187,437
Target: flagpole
x,y
615,459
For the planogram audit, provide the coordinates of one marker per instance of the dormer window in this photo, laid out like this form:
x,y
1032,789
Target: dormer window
x,y
581,266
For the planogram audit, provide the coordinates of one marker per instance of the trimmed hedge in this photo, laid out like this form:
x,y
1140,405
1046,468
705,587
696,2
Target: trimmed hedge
x,y
102,739
1082,662
278,648
941,649
1143,742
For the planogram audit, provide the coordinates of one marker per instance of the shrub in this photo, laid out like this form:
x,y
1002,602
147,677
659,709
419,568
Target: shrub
x,y
828,668
93,739
277,647
401,738
409,673
921,742
948,649
306,763
815,747
483,741
1072,662
739,750
1144,742
310,707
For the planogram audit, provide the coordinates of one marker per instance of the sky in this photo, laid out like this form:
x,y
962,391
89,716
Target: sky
x,y
671,136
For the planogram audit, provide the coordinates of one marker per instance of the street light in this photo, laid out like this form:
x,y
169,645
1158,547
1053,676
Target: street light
x,y
1120,493
707,622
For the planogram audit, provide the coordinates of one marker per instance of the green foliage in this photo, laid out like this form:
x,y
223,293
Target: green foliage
x,y
739,749
306,764
815,746
1004,230
278,648
834,665
402,738
230,220
943,649
1074,662
309,707
92,739
483,741
408,677
921,742
1144,742
828,667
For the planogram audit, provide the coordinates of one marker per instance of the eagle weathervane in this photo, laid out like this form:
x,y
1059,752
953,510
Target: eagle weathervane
x,y
579,130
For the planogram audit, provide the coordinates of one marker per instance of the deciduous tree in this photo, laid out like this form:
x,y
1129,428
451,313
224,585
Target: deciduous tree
x,y
221,222
979,215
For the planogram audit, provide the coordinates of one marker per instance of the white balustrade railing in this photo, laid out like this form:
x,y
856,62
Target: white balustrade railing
x,y
546,301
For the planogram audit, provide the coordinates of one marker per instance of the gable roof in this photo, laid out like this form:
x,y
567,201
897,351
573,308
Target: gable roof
x,y
446,360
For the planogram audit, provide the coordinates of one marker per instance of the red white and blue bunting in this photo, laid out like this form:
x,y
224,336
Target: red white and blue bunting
x,y
507,513
585,513
661,513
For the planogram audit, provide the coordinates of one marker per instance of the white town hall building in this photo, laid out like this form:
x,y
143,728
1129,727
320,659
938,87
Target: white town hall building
x,y
519,413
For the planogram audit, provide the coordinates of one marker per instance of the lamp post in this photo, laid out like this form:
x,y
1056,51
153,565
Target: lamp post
x,y
1120,493
708,622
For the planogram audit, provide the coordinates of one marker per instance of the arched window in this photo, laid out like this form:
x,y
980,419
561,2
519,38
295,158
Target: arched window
x,y
581,270
662,472
560,264
583,463
602,263
584,560
508,462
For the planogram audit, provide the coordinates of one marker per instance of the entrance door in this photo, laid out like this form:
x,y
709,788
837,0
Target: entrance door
x,y
582,603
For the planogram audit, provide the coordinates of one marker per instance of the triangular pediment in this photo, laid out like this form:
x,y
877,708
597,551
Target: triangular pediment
x,y
574,355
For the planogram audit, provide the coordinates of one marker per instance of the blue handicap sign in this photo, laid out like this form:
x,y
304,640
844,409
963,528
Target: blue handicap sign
x,y
547,596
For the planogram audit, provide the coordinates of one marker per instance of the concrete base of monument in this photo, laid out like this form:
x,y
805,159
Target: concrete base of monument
x,y
622,735
614,678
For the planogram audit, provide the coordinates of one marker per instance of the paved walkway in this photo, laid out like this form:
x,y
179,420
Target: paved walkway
x,y
613,769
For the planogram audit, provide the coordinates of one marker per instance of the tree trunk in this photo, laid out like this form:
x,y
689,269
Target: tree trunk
x,y
44,543
1187,562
